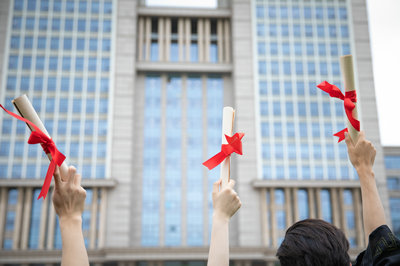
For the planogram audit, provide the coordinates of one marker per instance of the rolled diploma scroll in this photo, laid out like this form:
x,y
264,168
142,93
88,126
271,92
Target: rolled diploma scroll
x,y
346,65
27,111
228,116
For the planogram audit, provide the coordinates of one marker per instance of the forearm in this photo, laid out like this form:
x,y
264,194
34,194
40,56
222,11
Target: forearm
x,y
219,245
73,245
373,212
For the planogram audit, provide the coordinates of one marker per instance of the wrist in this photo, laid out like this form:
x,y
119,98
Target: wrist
x,y
70,220
365,170
220,216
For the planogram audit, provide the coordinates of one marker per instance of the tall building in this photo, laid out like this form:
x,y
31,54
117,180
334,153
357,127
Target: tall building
x,y
133,95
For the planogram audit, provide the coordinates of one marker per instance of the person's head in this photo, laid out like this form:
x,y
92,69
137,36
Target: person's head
x,y
314,242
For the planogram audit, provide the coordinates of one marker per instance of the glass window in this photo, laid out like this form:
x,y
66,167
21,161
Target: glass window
x,y
346,49
107,7
38,86
331,172
321,49
326,205
297,48
90,104
79,64
264,108
275,67
54,43
303,130
80,44
307,12
82,6
289,108
91,84
262,85
262,67
44,5
302,109
57,5
92,64
264,129
50,105
342,13
296,12
17,22
284,12
105,64
308,30
321,31
18,5
331,12
69,24
292,151
290,130
81,25
285,30
272,11
26,62
392,162
286,68
278,129
93,44
273,48
302,201
332,31
276,88
55,26
260,11
335,68
277,108
310,49
260,30
67,43
107,25
296,30
65,84
94,25
104,84
261,48
28,43
311,68
11,83
31,5
304,151
106,46
272,30
299,68
334,49
43,24
77,105
51,84
15,42
279,151
53,63
70,6
95,7
78,84
66,63
319,12
41,43
344,31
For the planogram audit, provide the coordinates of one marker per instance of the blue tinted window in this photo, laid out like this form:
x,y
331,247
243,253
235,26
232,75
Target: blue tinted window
x,y
296,30
345,49
94,25
321,49
53,63
15,42
4,148
69,24
320,31
344,31
272,11
262,85
302,109
342,13
51,84
332,31
286,68
299,68
79,63
41,43
11,83
31,5
308,30
392,162
95,7
262,67
107,25
264,129
28,43
311,68
43,24
277,108
54,43
260,11
260,30
334,49
26,62
297,48
66,63
261,48
91,84
289,108
18,5
307,12
57,5
275,68
70,6
279,151
331,12
92,64
292,151
107,7
303,130
77,105
78,84
302,201
278,129
273,48
264,108
310,49
80,44
56,24
285,30
304,151
106,45
93,44
38,86
317,151
296,12
67,43
306,172
64,84
82,6
336,68
272,30
105,64
290,130
319,12
16,23
81,25
326,205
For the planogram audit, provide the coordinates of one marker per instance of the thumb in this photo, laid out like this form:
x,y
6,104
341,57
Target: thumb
x,y
231,183
216,186
57,177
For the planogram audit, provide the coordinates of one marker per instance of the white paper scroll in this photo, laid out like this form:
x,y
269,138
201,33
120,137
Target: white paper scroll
x,y
26,110
228,116
346,65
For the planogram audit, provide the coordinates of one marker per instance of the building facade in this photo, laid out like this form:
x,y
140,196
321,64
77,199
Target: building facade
x,y
133,95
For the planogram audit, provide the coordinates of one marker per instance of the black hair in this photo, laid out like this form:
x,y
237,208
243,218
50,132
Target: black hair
x,y
314,242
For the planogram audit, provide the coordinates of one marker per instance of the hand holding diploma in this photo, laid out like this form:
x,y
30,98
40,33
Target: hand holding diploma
x,y
69,203
349,99
230,144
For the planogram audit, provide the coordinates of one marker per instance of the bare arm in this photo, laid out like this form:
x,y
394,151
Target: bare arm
x,y
362,156
225,202
69,202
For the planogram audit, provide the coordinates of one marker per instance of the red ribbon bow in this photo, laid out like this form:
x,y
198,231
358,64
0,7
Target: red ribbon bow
x,y
234,145
48,146
349,99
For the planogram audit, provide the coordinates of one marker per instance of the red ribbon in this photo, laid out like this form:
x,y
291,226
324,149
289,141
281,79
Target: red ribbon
x,y
234,145
349,99
48,146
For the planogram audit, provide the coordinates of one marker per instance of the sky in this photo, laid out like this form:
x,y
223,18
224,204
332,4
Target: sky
x,y
384,24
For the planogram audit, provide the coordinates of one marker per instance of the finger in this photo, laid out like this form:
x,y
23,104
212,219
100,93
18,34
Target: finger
x,y
361,136
57,177
216,186
77,179
231,183
348,140
71,174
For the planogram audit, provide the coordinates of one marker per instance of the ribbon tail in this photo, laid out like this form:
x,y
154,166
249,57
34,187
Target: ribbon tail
x,y
215,160
341,135
47,180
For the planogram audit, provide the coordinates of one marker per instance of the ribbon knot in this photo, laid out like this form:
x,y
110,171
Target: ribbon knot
x,y
48,145
234,146
348,99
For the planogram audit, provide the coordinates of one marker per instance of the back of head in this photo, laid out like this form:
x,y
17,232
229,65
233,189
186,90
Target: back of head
x,y
313,242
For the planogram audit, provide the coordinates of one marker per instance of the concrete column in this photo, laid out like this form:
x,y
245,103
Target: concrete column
x,y
295,207
200,33
207,41
335,207
102,220
43,222
167,38
361,242
274,228
318,201
227,42
288,206
147,39
181,39
27,218
3,210
51,226
311,202
141,39
18,219
187,39
161,39
220,40
264,217
342,211
93,220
